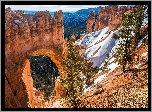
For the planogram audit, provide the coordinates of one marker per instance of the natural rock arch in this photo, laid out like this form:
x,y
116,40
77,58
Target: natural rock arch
x,y
18,82
25,36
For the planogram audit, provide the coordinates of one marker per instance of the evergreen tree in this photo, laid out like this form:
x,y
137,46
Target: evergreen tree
x,y
77,67
130,35
138,20
73,81
125,50
88,70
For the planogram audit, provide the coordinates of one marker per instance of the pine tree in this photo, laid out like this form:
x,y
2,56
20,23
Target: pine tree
x,y
125,51
88,70
73,81
130,35
77,67
138,20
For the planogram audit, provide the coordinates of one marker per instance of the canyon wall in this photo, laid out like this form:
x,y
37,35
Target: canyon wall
x,y
90,21
110,16
25,34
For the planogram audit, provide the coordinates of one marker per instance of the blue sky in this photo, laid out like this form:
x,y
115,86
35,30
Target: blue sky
x,y
52,8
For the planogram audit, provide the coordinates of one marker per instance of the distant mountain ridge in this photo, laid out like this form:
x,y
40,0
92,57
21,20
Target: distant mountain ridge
x,y
76,22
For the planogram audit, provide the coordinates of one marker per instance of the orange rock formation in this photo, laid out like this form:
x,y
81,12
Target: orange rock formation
x,y
25,34
110,16
90,22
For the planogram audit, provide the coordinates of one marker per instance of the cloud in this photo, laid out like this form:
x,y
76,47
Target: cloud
x,y
68,8
44,5
63,7
52,8
90,6
35,5
49,5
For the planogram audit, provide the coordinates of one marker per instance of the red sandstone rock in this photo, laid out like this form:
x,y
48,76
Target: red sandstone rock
x,y
110,16
90,22
10,99
22,40
59,89
144,30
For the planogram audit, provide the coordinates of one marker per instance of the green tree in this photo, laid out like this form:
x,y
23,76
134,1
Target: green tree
x,y
129,35
76,68
73,81
125,50
138,20
87,70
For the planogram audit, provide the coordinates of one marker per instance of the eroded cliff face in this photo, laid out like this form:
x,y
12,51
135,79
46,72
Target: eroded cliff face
x,y
25,34
90,21
111,16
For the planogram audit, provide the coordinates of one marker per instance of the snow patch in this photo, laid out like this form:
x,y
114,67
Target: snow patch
x,y
102,35
112,66
144,54
92,38
112,59
139,44
106,47
100,78
137,66
99,71
17,21
89,88
89,52
145,21
89,38
102,48
141,41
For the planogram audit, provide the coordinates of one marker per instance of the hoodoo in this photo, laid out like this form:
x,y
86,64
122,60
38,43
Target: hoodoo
x,y
110,16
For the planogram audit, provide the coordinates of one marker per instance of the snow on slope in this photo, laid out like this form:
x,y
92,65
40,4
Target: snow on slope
x,y
145,21
144,54
111,67
91,38
88,38
101,35
98,44
101,49
100,78
112,59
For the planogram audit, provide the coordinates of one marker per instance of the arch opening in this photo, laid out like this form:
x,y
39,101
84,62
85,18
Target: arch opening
x,y
44,73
